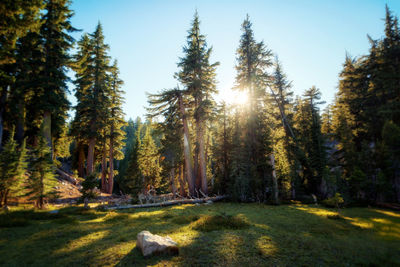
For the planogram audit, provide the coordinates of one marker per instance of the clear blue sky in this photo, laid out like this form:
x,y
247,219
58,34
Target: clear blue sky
x,y
310,37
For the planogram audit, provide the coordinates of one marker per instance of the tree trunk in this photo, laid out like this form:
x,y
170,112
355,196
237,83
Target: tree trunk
x,y
275,189
46,130
111,173
187,150
172,178
202,165
81,160
90,156
6,197
182,190
104,183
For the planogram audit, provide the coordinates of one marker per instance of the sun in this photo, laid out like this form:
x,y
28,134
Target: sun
x,y
233,97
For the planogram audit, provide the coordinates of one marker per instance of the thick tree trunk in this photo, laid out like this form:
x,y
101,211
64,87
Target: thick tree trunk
x,y
111,173
90,157
104,183
275,189
81,160
186,148
46,130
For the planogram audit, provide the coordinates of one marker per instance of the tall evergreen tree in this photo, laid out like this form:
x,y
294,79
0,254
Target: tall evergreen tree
x,y
52,100
116,122
18,17
197,74
253,59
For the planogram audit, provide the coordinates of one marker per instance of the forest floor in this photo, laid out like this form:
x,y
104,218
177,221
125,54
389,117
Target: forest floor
x,y
221,234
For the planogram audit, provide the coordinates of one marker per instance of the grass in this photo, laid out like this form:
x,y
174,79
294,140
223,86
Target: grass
x,y
222,234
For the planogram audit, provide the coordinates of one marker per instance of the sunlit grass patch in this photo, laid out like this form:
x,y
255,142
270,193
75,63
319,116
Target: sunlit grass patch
x,y
185,219
220,222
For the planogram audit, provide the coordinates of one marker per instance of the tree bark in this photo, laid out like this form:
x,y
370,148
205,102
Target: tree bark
x,y
202,165
172,181
81,160
275,189
90,156
182,190
111,173
104,183
186,148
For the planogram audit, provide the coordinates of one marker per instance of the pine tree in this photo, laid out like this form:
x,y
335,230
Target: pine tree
x,y
12,168
253,59
52,99
18,17
116,121
149,161
42,181
197,74
171,104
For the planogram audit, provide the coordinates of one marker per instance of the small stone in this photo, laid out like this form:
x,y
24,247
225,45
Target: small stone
x,y
154,244
208,202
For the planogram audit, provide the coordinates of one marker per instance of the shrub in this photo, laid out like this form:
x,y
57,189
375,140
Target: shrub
x,y
334,202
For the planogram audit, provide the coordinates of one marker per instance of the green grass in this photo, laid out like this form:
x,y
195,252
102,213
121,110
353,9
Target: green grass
x,y
222,234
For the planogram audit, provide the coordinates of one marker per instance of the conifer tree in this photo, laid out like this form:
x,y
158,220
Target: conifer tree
x,y
52,100
42,181
149,161
197,74
116,121
253,59
12,168
18,17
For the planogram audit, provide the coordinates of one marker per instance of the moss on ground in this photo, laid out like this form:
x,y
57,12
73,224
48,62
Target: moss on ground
x,y
223,234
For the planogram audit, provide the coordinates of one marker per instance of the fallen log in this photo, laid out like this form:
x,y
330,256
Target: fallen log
x,y
66,176
168,203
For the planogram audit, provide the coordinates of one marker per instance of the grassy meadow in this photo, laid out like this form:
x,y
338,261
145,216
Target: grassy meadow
x,y
222,234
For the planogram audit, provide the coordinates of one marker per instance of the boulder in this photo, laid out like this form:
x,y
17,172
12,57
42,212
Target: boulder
x,y
151,244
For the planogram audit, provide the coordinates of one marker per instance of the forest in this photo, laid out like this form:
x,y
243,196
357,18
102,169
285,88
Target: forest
x,y
272,150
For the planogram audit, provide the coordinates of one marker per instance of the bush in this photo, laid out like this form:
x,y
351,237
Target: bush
x,y
88,186
334,202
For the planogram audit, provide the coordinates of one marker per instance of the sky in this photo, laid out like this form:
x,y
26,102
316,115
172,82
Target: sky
x,y
310,37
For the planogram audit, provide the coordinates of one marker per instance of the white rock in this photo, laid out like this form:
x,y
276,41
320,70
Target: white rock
x,y
208,202
150,244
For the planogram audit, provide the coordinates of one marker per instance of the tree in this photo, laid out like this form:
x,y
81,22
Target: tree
x,y
253,59
12,168
171,105
18,17
42,181
52,100
149,161
197,74
116,121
